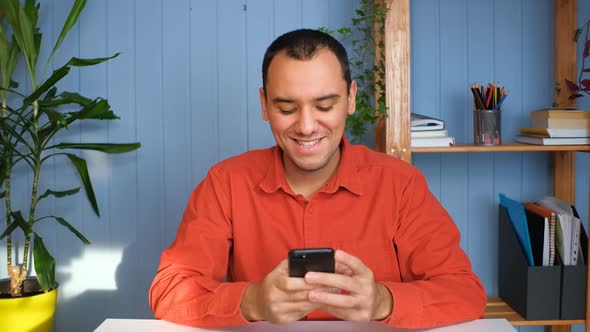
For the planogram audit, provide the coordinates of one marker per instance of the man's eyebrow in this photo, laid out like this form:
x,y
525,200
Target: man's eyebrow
x,y
278,100
326,97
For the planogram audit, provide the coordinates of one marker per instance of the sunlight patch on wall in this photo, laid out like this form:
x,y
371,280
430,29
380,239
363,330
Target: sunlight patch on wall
x,y
98,162
96,270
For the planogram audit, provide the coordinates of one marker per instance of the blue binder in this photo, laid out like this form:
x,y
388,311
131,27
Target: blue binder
x,y
517,215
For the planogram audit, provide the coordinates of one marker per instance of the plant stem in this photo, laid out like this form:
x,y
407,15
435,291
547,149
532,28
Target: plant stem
x,y
7,203
36,173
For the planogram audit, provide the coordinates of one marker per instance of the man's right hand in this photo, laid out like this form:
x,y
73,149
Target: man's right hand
x,y
277,299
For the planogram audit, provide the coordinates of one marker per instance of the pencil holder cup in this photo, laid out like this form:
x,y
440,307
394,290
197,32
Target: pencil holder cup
x,y
487,129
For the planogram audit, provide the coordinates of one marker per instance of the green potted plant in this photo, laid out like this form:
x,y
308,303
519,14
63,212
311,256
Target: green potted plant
x,y
367,62
28,127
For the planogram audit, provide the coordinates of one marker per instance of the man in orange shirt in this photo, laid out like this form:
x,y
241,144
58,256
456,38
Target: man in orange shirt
x,y
398,258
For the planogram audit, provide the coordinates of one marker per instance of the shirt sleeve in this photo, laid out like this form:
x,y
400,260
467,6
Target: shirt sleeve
x,y
188,288
438,285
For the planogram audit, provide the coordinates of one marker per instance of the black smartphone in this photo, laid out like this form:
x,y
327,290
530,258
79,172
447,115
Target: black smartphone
x,y
302,261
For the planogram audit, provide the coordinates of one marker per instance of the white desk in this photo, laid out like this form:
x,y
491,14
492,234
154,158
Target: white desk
x,y
152,325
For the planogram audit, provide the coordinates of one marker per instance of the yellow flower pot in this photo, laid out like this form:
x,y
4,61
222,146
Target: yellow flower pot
x,y
28,313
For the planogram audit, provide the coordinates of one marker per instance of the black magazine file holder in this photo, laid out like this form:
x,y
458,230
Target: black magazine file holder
x,y
532,291
573,282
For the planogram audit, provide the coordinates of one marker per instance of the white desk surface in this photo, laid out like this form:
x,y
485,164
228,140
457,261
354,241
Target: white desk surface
x,y
152,325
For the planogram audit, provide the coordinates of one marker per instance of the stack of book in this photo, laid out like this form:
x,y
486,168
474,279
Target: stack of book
x,y
427,131
557,126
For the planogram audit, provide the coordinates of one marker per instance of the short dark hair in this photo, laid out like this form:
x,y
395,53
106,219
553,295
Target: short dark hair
x,y
303,44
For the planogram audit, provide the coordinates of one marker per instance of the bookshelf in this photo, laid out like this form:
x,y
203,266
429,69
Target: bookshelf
x,y
392,134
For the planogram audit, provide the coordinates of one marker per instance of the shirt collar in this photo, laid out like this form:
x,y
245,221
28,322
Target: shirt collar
x,y
346,175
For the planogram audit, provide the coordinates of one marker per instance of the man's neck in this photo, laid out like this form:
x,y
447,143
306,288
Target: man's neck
x,y
307,183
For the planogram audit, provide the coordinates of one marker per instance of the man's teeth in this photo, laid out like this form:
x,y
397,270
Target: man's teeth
x,y
308,143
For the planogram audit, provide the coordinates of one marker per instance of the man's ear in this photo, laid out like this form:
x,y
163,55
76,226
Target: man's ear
x,y
352,98
263,107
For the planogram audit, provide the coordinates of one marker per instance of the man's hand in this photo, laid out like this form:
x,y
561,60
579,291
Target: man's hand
x,y
363,299
277,299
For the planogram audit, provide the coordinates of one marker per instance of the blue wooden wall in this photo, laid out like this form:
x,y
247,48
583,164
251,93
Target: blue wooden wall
x,y
186,87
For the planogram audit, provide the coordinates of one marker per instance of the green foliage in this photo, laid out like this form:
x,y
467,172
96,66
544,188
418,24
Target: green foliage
x,y
29,124
367,62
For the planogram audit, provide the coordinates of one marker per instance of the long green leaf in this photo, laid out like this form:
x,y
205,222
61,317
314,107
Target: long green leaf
x,y
98,110
17,221
10,10
63,193
32,10
80,165
71,228
102,147
27,34
77,8
50,94
9,129
48,84
54,117
44,264
66,98
8,230
4,58
13,91
77,62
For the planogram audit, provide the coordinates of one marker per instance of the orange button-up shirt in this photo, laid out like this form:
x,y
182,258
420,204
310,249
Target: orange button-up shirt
x,y
243,218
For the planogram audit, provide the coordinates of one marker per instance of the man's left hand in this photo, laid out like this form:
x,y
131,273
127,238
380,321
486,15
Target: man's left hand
x,y
362,298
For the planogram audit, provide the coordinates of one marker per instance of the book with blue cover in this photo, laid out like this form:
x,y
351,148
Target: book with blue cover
x,y
517,215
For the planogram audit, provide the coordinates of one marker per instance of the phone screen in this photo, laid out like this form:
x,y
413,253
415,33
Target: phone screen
x,y
302,261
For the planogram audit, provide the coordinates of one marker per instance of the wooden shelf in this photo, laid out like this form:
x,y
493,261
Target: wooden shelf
x,y
392,133
496,308
507,147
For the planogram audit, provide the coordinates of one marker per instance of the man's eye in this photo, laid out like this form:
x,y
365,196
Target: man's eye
x,y
289,111
324,109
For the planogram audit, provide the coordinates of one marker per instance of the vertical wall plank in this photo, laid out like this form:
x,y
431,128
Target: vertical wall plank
x,y
70,208
537,91
260,33
287,16
507,63
482,227
149,106
176,114
205,139
232,111
425,69
93,84
454,108
123,181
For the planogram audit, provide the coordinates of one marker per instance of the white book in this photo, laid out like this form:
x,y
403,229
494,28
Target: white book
x,y
429,133
423,142
419,122
539,140
556,132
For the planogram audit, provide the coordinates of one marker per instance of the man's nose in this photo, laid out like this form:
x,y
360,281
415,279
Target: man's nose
x,y
306,123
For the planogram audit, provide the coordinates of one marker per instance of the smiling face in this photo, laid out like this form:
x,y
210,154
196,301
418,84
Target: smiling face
x,y
306,104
